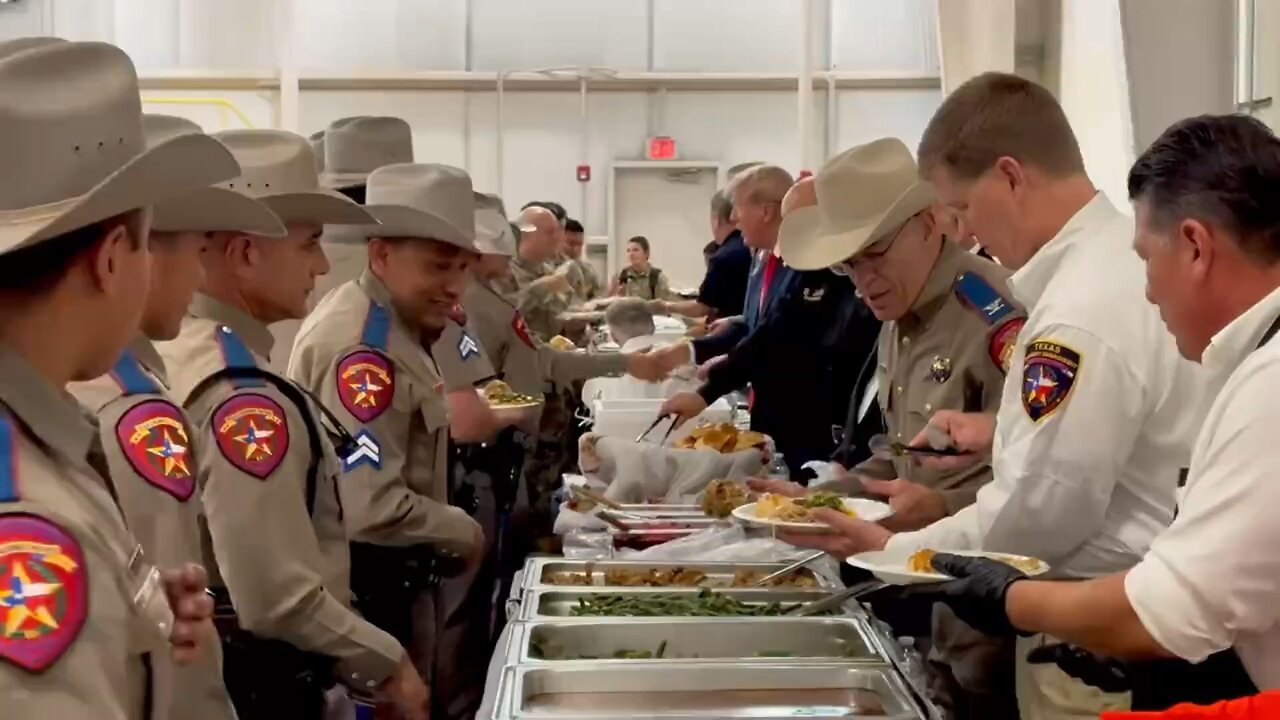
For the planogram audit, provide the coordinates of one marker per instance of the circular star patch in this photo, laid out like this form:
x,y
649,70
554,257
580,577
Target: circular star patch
x,y
43,592
1049,371
252,433
366,384
154,438
521,328
1003,341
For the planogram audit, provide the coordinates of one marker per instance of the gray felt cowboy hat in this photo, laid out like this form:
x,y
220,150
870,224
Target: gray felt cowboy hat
x,y
494,235
73,145
422,201
208,209
864,194
356,146
278,170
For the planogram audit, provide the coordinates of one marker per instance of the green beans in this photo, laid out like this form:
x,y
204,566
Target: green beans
x,y
704,604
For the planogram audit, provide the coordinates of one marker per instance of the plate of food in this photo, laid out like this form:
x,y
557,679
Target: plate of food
x,y
500,396
562,343
721,437
902,568
796,514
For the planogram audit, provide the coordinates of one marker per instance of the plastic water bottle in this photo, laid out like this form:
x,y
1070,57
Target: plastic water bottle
x,y
777,468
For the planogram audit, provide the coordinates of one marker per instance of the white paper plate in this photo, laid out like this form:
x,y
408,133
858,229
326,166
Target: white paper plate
x,y
869,510
890,566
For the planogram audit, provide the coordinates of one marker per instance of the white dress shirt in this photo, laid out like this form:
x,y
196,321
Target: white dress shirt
x,y
1212,579
1090,484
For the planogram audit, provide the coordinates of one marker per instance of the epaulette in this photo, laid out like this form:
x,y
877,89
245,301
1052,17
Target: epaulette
x,y
974,291
131,378
236,356
377,327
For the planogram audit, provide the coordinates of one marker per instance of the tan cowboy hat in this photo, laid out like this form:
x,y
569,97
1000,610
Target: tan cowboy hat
x,y
279,171
356,146
208,209
422,201
494,235
17,45
864,194
73,147
317,149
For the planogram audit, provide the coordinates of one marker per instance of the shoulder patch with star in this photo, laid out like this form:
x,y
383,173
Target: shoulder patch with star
x,y
252,433
44,595
1003,341
1049,371
521,328
155,439
366,384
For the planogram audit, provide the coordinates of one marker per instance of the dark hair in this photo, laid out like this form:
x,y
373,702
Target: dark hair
x,y
556,209
995,115
41,266
642,241
573,226
1223,169
722,205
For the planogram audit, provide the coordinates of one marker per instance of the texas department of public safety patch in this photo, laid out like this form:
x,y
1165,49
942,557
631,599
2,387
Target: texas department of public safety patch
x,y
366,384
521,328
44,594
1003,341
1048,372
154,438
252,433
467,346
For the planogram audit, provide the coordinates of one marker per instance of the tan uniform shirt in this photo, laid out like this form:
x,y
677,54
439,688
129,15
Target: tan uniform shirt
x,y
949,353
288,573
651,285
147,442
461,357
71,641
370,370
526,364
540,307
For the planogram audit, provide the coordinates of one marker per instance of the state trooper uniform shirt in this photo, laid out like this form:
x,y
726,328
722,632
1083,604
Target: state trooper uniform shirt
x,y
287,572
525,363
1098,415
148,445
461,357
73,643
950,352
371,371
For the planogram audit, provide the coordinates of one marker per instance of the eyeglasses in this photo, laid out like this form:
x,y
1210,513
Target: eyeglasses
x,y
873,257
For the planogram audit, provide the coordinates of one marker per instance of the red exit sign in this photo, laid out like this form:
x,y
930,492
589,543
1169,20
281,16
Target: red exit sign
x,y
662,148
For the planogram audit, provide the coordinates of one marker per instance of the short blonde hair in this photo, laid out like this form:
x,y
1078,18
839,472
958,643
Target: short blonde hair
x,y
763,183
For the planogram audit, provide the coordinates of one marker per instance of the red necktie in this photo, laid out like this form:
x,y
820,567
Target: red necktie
x,y
766,279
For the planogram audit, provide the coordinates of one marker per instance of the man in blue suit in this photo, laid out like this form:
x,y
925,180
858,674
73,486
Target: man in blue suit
x,y
789,343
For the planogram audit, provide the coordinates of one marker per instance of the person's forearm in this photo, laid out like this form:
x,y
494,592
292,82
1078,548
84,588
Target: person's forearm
x,y
1094,614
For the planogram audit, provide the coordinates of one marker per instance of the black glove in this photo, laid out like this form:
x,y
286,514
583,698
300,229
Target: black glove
x,y
978,593
1103,673
908,609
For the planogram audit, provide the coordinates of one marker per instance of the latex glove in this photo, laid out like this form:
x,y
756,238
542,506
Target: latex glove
x,y
978,593
908,609
1103,673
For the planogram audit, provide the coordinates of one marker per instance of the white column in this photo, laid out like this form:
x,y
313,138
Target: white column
x,y
975,36
804,95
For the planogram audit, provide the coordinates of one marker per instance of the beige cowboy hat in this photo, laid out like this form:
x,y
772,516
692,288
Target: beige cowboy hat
x,y
494,235
317,149
422,201
72,143
356,146
208,209
864,194
279,171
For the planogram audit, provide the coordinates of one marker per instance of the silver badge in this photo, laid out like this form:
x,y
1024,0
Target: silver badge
x,y
940,370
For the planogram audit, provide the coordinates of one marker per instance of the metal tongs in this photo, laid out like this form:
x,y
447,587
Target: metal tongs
x,y
788,569
675,420
831,603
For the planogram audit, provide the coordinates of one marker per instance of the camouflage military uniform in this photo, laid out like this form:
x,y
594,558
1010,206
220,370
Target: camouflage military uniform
x,y
541,308
592,284
651,285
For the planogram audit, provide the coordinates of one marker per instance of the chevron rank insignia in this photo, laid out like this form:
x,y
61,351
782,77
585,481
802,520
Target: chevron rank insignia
x,y
252,433
154,439
44,594
467,346
366,452
366,384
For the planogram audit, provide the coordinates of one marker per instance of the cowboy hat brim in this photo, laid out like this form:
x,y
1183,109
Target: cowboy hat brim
x,y
216,209
401,221
341,181
807,242
173,168
319,207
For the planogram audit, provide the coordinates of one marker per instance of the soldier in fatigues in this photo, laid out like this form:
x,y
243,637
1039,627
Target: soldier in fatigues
x,y
147,439
270,474
944,345
85,614
361,351
526,363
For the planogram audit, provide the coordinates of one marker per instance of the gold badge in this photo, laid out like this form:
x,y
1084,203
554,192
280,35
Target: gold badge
x,y
940,370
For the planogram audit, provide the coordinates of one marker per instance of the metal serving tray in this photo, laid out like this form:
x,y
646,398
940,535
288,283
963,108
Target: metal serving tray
x,y
711,639
664,511
691,691
540,603
537,571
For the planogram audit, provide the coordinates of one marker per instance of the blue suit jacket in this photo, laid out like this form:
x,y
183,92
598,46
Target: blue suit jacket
x,y
784,282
